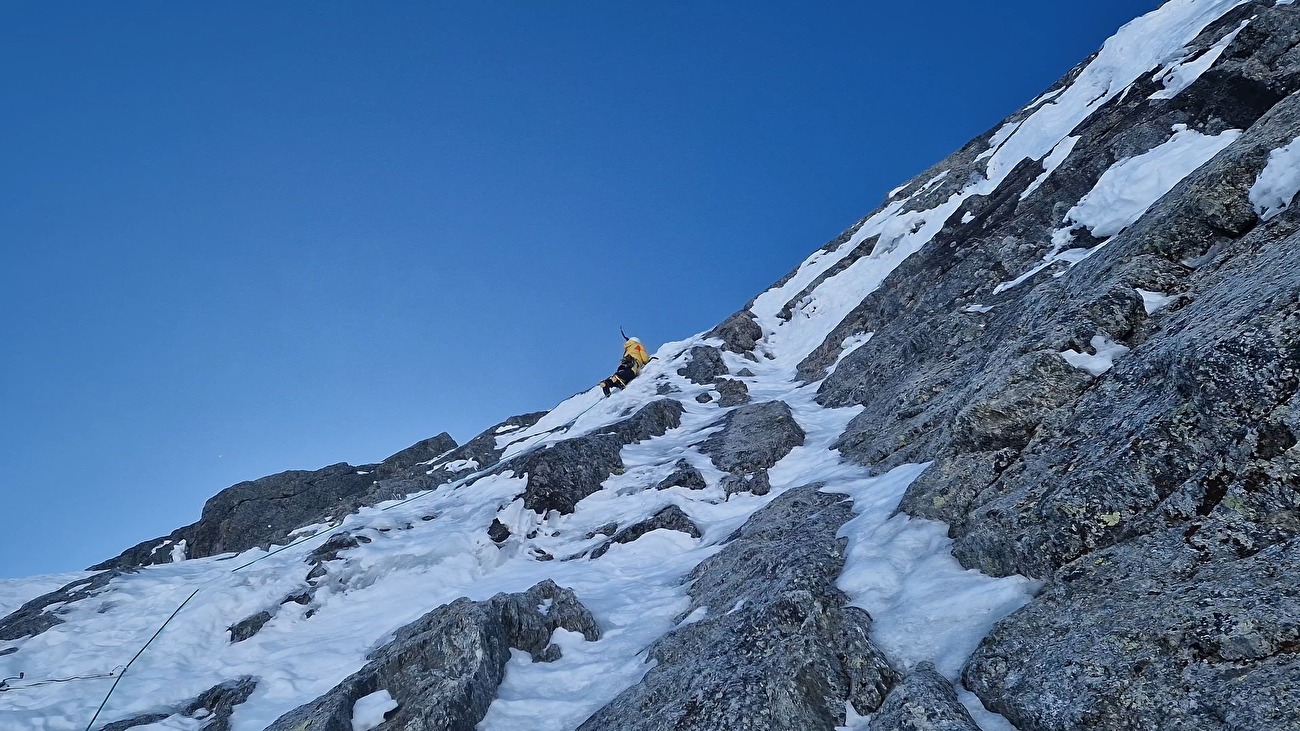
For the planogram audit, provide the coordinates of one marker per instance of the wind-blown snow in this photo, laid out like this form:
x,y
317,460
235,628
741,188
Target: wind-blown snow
x,y
1181,75
1278,183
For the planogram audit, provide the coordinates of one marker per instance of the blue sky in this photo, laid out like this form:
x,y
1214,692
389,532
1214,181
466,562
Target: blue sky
x,y
241,238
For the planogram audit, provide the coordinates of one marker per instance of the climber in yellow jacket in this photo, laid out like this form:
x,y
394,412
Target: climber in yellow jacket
x,y
634,359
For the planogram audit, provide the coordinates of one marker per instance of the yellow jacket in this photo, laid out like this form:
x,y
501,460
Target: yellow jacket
x,y
633,349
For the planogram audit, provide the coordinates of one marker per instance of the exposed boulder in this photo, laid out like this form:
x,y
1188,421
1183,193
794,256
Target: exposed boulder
x,y
923,701
754,437
249,626
732,392
704,364
684,475
739,333
755,482
778,647
443,669
670,518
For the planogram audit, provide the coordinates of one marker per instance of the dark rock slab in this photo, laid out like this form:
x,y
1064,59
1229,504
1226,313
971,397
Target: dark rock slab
x,y
443,670
670,518
923,701
704,364
249,626
754,437
779,648
419,453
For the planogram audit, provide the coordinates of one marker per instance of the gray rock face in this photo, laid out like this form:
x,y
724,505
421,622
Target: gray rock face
x,y
739,333
443,669
705,364
778,647
923,701
1152,635
754,437
561,475
670,518
1178,463
732,392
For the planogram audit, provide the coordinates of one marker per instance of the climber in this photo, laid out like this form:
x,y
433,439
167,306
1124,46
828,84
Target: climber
x,y
634,359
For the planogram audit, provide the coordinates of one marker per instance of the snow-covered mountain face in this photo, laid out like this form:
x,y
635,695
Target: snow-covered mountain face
x,y
1019,449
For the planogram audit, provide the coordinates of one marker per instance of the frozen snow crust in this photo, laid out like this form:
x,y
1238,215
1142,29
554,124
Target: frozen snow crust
x,y
1019,449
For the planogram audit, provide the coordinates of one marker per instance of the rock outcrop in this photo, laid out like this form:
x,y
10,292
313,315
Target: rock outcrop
x,y
561,475
778,647
444,668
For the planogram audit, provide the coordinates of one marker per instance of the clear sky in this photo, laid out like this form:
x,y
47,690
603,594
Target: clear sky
x,y
240,238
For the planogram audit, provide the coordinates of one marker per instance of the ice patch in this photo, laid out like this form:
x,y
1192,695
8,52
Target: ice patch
x,y
368,712
1105,351
1181,75
1278,183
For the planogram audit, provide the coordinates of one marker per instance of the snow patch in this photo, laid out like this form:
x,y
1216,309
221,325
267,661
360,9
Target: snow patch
x,y
1154,301
901,570
368,712
1131,186
1278,183
1105,351
461,465
178,551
